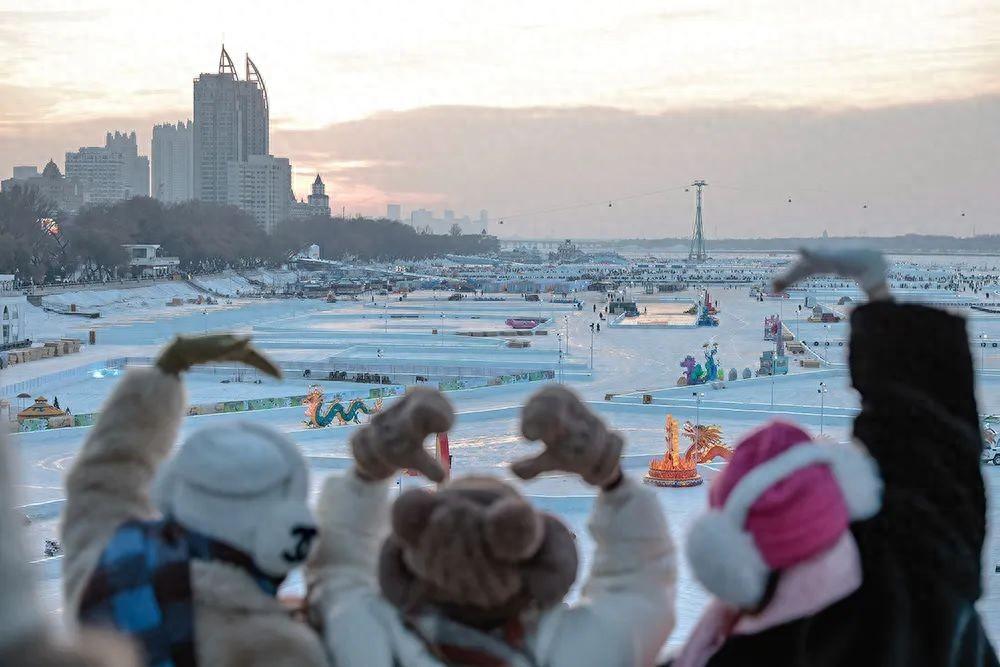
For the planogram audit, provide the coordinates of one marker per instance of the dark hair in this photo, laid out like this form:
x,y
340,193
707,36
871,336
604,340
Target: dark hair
x,y
769,590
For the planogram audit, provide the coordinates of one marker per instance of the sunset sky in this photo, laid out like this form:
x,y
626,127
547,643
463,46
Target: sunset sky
x,y
532,109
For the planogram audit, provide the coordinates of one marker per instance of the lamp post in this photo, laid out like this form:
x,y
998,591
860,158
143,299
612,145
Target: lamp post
x,y
982,351
566,326
822,404
772,383
559,377
697,410
591,349
826,353
204,320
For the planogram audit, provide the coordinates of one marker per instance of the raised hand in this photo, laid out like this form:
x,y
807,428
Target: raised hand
x,y
863,265
576,440
394,438
183,352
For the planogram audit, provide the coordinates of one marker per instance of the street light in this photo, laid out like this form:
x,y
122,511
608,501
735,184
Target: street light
x,y
697,410
982,351
772,383
559,377
822,404
566,326
826,354
591,349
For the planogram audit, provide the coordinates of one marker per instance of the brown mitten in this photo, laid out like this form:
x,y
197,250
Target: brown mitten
x,y
394,438
183,352
576,440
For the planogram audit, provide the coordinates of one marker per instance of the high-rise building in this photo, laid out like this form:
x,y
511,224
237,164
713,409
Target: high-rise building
x,y
394,212
66,194
230,125
24,173
261,186
173,178
110,173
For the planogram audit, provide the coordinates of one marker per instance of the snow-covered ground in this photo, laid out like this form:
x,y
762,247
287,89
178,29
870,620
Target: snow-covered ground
x,y
486,437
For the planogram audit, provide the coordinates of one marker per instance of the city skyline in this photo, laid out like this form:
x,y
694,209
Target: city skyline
x,y
523,110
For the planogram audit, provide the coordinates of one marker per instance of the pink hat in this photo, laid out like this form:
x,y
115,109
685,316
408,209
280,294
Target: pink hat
x,y
798,516
781,499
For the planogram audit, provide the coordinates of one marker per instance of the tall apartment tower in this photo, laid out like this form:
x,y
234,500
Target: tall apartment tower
x,y
261,185
230,125
110,173
173,176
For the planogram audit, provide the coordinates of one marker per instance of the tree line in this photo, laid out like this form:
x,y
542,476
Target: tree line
x,y
39,243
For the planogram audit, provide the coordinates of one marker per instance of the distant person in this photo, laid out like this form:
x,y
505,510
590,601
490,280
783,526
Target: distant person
x,y
591,326
868,553
471,573
595,307
599,327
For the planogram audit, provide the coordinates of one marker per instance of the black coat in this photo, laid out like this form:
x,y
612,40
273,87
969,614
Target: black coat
x,y
920,556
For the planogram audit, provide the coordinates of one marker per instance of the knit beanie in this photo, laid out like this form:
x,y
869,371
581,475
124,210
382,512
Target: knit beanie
x,y
245,485
800,515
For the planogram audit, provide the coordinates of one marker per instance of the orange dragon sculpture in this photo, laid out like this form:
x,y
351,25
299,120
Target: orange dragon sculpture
x,y
676,470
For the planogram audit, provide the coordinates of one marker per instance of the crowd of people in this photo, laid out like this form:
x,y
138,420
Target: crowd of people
x,y
815,553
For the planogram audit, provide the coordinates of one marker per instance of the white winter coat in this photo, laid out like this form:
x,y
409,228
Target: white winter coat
x,y
625,613
236,624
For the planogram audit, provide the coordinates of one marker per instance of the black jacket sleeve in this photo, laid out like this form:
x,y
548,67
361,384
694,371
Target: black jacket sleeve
x,y
913,369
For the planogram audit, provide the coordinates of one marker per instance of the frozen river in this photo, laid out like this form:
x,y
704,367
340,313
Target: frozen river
x,y
626,361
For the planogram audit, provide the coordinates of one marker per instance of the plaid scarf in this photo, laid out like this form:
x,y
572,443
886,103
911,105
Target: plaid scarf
x,y
142,587
459,645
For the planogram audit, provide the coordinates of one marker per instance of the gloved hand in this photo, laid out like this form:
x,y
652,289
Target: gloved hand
x,y
576,440
183,352
865,266
394,438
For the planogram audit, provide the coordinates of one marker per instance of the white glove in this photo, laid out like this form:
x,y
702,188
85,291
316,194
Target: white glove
x,y
865,266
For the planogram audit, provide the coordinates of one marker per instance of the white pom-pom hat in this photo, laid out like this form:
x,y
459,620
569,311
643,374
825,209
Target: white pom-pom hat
x,y
243,484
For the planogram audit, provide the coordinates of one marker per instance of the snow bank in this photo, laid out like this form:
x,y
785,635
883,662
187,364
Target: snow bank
x,y
127,299
277,278
227,284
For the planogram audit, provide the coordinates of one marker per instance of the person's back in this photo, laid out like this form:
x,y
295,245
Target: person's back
x,y
918,557
472,574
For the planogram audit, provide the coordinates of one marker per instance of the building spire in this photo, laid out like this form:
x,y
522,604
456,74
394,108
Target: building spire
x,y
226,64
253,74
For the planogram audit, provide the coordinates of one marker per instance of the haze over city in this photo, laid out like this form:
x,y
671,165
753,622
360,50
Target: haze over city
x,y
845,117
